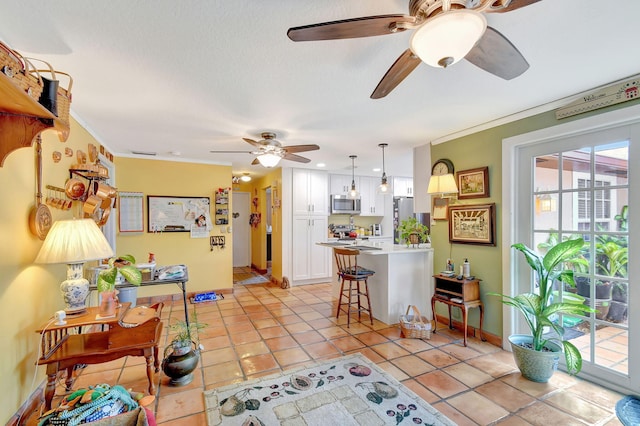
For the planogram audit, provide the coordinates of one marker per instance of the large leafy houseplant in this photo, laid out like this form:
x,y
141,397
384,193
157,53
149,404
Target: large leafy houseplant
x,y
125,265
540,309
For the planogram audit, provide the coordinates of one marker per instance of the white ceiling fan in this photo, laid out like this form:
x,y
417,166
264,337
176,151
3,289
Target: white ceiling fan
x,y
270,151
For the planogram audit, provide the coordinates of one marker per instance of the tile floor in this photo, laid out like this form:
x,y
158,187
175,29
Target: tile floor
x,y
261,329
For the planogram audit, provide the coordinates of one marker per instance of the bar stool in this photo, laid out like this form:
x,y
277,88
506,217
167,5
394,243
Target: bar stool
x,y
348,270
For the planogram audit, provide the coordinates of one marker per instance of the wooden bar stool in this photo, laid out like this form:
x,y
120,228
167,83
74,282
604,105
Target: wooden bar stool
x,y
358,288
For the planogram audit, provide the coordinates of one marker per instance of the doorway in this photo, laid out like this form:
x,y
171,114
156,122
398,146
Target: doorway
x,y
579,183
241,229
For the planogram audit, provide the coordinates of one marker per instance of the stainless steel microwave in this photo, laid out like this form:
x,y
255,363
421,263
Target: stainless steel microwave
x,y
342,204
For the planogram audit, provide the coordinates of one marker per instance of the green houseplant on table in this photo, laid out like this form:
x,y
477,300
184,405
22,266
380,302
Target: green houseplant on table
x,y
410,231
183,352
537,355
122,266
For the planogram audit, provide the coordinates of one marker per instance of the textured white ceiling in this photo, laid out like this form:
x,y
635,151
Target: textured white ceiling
x,y
191,76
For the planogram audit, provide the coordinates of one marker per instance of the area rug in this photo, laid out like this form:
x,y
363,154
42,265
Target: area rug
x,y
350,390
249,278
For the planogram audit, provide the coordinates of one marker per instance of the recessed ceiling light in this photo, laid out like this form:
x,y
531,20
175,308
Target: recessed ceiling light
x,y
377,169
321,165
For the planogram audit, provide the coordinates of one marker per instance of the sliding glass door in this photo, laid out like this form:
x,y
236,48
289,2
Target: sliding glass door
x,y
583,186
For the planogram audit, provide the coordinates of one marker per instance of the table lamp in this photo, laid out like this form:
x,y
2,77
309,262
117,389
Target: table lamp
x,y
443,184
74,242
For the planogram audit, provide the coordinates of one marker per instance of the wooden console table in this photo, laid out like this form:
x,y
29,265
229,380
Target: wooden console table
x,y
464,294
131,332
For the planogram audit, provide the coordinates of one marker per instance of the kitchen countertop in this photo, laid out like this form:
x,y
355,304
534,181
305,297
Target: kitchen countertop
x,y
378,248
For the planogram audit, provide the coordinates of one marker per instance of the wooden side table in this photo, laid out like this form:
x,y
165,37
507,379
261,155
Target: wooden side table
x,y
464,294
118,337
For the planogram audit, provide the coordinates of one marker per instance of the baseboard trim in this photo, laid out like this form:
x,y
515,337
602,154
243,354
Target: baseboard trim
x,y
471,331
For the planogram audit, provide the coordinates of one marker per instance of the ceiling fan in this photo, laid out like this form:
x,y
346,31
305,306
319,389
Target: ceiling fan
x,y
269,151
446,31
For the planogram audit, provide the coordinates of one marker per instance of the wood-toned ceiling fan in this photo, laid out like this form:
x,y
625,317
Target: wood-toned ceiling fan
x,y
437,24
269,151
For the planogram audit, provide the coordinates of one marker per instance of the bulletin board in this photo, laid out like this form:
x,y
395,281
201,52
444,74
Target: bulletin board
x,y
178,214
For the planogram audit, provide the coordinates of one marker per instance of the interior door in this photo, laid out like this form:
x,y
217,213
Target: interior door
x,y
241,229
581,186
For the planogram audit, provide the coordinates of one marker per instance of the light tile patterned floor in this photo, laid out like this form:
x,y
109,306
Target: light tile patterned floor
x,y
261,329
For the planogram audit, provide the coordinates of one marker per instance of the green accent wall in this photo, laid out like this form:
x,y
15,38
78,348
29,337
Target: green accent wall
x,y
481,149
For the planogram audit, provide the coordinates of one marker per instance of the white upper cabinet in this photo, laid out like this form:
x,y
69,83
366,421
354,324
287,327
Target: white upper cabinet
x,y
341,184
402,187
310,192
371,200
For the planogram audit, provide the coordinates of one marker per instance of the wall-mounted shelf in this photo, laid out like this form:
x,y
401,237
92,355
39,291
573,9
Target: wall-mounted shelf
x,y
22,118
222,206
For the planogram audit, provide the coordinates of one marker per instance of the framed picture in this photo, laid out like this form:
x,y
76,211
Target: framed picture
x,y
473,224
439,207
473,183
178,214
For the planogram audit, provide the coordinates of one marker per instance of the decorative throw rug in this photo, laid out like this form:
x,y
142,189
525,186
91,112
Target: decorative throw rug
x,y
350,390
249,277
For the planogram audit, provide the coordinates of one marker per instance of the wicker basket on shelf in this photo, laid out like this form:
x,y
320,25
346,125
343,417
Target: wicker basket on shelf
x,y
63,96
415,326
20,71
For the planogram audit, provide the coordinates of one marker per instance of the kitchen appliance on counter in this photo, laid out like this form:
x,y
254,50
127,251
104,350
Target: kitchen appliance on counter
x,y
376,230
342,204
341,231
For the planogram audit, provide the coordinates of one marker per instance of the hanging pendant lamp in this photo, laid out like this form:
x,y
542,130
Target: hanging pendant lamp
x,y
384,186
353,192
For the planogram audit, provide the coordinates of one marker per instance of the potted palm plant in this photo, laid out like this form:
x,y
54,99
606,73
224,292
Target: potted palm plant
x,y
537,354
121,267
410,231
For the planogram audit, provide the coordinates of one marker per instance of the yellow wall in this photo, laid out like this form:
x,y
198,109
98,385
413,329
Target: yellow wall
x,y
29,293
257,188
208,270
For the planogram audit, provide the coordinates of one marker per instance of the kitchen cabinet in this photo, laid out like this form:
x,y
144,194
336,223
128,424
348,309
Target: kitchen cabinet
x,y
310,260
402,186
310,192
310,218
22,118
341,184
371,200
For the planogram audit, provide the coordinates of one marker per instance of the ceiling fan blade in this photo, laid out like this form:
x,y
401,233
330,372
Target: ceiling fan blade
x,y
494,53
300,148
252,142
351,28
497,7
400,69
230,152
255,162
294,157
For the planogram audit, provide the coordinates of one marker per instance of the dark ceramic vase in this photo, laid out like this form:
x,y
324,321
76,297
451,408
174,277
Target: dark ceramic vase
x,y
179,363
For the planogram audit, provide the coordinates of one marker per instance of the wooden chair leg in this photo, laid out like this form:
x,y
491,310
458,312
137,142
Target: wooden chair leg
x,y
340,296
366,289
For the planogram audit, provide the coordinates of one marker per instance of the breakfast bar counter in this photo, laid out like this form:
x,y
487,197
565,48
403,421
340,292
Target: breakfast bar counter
x,y
403,277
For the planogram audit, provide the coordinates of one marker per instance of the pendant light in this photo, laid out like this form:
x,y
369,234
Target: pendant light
x,y
353,192
384,186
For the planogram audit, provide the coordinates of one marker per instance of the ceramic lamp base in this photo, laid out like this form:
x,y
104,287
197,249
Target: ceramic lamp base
x,y
75,290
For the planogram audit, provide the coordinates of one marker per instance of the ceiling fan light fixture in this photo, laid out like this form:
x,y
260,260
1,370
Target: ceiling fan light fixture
x,y
269,159
447,38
